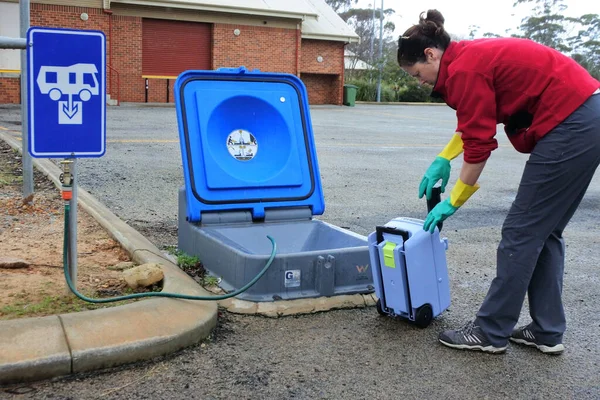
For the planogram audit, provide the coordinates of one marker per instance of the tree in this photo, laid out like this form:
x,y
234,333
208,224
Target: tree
x,y
550,27
586,44
473,29
367,28
547,25
341,5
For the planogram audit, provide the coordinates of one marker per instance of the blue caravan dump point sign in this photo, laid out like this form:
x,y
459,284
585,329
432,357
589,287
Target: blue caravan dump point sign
x,y
66,92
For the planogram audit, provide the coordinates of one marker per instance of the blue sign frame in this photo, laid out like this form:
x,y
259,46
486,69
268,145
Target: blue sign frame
x,y
66,92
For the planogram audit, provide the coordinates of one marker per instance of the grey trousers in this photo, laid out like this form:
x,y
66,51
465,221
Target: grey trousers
x,y
531,253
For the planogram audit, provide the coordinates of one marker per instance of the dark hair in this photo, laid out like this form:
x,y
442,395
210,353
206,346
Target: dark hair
x,y
429,32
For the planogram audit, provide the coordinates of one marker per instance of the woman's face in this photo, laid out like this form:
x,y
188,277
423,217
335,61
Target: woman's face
x,y
426,72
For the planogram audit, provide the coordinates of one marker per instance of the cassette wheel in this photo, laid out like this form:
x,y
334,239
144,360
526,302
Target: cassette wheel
x,y
424,316
380,308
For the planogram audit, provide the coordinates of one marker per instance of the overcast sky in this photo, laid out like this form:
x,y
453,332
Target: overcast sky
x,y
492,16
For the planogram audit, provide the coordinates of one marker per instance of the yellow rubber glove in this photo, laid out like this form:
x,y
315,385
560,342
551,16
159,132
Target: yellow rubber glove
x,y
440,167
453,149
459,195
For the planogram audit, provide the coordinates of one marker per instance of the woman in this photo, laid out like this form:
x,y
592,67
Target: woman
x,y
550,107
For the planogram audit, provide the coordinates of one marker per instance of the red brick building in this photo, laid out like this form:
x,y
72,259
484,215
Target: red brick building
x,y
149,43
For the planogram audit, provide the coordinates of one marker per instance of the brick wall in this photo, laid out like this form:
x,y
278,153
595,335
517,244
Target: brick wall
x,y
10,90
332,53
125,56
268,49
322,88
323,80
123,49
52,16
157,91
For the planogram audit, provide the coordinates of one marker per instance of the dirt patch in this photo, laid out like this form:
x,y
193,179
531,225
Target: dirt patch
x,y
33,232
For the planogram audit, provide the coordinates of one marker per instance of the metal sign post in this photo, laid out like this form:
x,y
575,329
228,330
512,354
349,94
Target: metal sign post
x,y
27,161
73,227
21,43
66,97
69,181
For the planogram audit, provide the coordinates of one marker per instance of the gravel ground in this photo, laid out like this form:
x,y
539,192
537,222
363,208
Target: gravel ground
x,y
371,160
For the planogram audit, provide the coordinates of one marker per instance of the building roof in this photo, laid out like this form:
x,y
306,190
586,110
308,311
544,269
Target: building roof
x,y
328,25
296,9
319,21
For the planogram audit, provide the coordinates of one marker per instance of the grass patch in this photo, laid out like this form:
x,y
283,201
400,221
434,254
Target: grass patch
x,y
192,266
24,306
210,280
48,305
171,249
7,179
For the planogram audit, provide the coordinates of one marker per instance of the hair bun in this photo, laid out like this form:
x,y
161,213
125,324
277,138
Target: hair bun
x,y
436,17
433,23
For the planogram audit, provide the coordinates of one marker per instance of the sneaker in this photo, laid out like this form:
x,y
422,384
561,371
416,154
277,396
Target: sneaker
x,y
469,337
524,335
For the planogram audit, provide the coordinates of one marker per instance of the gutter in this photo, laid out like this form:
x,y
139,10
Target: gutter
x,y
219,8
335,38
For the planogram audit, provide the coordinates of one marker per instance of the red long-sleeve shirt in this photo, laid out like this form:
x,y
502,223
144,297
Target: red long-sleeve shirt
x,y
488,80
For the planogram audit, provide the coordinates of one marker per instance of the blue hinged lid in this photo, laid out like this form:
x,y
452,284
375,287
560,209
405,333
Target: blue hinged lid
x,y
246,142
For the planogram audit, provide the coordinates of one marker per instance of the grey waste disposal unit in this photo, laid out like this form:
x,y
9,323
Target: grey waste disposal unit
x,y
250,170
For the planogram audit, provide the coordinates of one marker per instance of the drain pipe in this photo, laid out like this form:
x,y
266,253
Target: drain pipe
x,y
110,46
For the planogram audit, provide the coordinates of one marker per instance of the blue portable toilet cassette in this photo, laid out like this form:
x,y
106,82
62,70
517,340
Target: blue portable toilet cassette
x,y
409,269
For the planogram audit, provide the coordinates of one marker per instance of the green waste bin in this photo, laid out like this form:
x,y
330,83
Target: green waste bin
x,y
350,95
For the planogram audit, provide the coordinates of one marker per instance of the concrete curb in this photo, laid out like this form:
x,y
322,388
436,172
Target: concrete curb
x,y
40,348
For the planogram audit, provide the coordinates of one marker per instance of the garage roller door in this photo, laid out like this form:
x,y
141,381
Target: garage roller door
x,y
171,47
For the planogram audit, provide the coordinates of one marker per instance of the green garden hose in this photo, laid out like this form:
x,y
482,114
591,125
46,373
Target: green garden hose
x,y
153,294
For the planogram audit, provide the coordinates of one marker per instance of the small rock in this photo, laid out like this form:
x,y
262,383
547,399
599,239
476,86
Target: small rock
x,y
144,275
122,266
12,263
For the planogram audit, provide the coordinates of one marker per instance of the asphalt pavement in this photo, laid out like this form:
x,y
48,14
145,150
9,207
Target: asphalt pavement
x,y
371,159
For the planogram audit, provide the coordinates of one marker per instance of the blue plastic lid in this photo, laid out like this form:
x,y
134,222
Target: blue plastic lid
x,y
246,142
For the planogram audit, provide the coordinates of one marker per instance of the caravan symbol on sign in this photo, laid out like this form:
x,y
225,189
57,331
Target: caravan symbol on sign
x,y
79,79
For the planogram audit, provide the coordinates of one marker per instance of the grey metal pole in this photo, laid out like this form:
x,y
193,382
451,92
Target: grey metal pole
x,y
372,34
371,55
12,43
27,161
73,226
380,53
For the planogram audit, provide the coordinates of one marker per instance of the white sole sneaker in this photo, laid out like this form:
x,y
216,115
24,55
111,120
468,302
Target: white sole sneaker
x,y
556,349
487,349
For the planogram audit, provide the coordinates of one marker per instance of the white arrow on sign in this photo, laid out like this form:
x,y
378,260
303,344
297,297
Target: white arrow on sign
x,y
77,79
70,109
